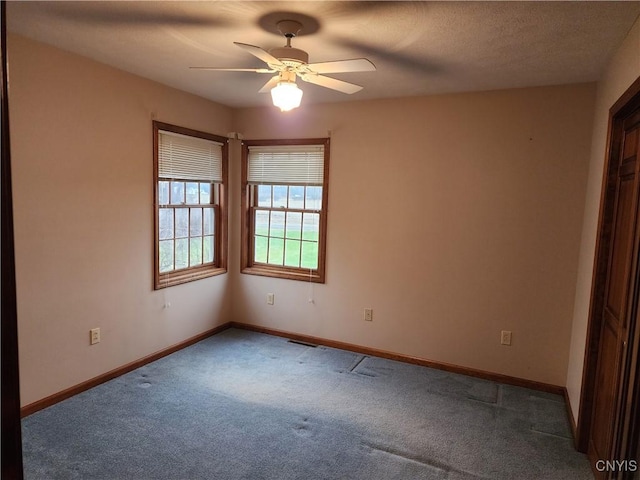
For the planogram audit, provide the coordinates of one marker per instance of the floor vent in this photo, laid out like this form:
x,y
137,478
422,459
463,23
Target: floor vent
x,y
299,342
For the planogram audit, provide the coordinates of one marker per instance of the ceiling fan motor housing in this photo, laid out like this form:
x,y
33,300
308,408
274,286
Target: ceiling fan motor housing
x,y
288,55
285,54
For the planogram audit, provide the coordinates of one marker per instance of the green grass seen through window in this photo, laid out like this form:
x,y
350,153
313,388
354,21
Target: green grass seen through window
x,y
290,252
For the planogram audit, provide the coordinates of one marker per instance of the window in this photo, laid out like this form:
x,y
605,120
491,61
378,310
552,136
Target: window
x,y
284,205
190,172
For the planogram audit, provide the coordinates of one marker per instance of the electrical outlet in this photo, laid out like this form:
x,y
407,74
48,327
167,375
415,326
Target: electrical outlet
x,y
368,314
94,336
505,337
270,298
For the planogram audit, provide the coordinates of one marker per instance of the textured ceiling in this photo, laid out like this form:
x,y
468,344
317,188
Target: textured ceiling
x,y
419,48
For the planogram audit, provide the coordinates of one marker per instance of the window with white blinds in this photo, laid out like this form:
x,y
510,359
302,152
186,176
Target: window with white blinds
x,y
284,208
190,204
189,158
286,165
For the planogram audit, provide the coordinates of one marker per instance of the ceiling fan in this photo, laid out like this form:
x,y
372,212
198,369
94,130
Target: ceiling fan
x,y
288,63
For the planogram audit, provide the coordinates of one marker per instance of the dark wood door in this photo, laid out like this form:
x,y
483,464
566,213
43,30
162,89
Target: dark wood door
x,y
624,178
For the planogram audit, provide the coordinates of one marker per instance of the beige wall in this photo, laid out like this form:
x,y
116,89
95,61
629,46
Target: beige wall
x,y
453,217
621,72
82,173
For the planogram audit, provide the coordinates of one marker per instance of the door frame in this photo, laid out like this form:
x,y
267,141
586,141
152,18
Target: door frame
x,y
11,438
626,430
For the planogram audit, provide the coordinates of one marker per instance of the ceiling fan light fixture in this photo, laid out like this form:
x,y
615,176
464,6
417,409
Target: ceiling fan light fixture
x,y
288,64
286,96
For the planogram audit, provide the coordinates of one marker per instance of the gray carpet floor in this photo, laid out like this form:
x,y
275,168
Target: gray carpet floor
x,y
244,405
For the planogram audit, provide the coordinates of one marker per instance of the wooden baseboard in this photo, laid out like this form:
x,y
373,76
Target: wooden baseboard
x,y
572,419
495,377
105,377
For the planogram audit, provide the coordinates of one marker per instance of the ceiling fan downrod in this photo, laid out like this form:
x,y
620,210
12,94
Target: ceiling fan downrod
x,y
289,55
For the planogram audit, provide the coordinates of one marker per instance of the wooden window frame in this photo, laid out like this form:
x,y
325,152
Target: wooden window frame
x,y
247,265
219,265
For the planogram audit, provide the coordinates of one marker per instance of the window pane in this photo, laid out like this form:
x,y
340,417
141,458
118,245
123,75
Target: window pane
x,y
193,193
294,225
182,253
165,220
279,196
311,226
292,253
207,249
166,256
264,195
177,193
314,198
195,252
276,251
195,227
277,224
309,255
163,192
296,197
262,223
208,221
205,193
182,222
260,249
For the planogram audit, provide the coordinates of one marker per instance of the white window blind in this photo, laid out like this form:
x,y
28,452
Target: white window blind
x,y
286,164
189,158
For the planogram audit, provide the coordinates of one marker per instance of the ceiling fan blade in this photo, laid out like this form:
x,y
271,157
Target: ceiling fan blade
x,y
263,55
256,70
332,83
270,84
343,66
